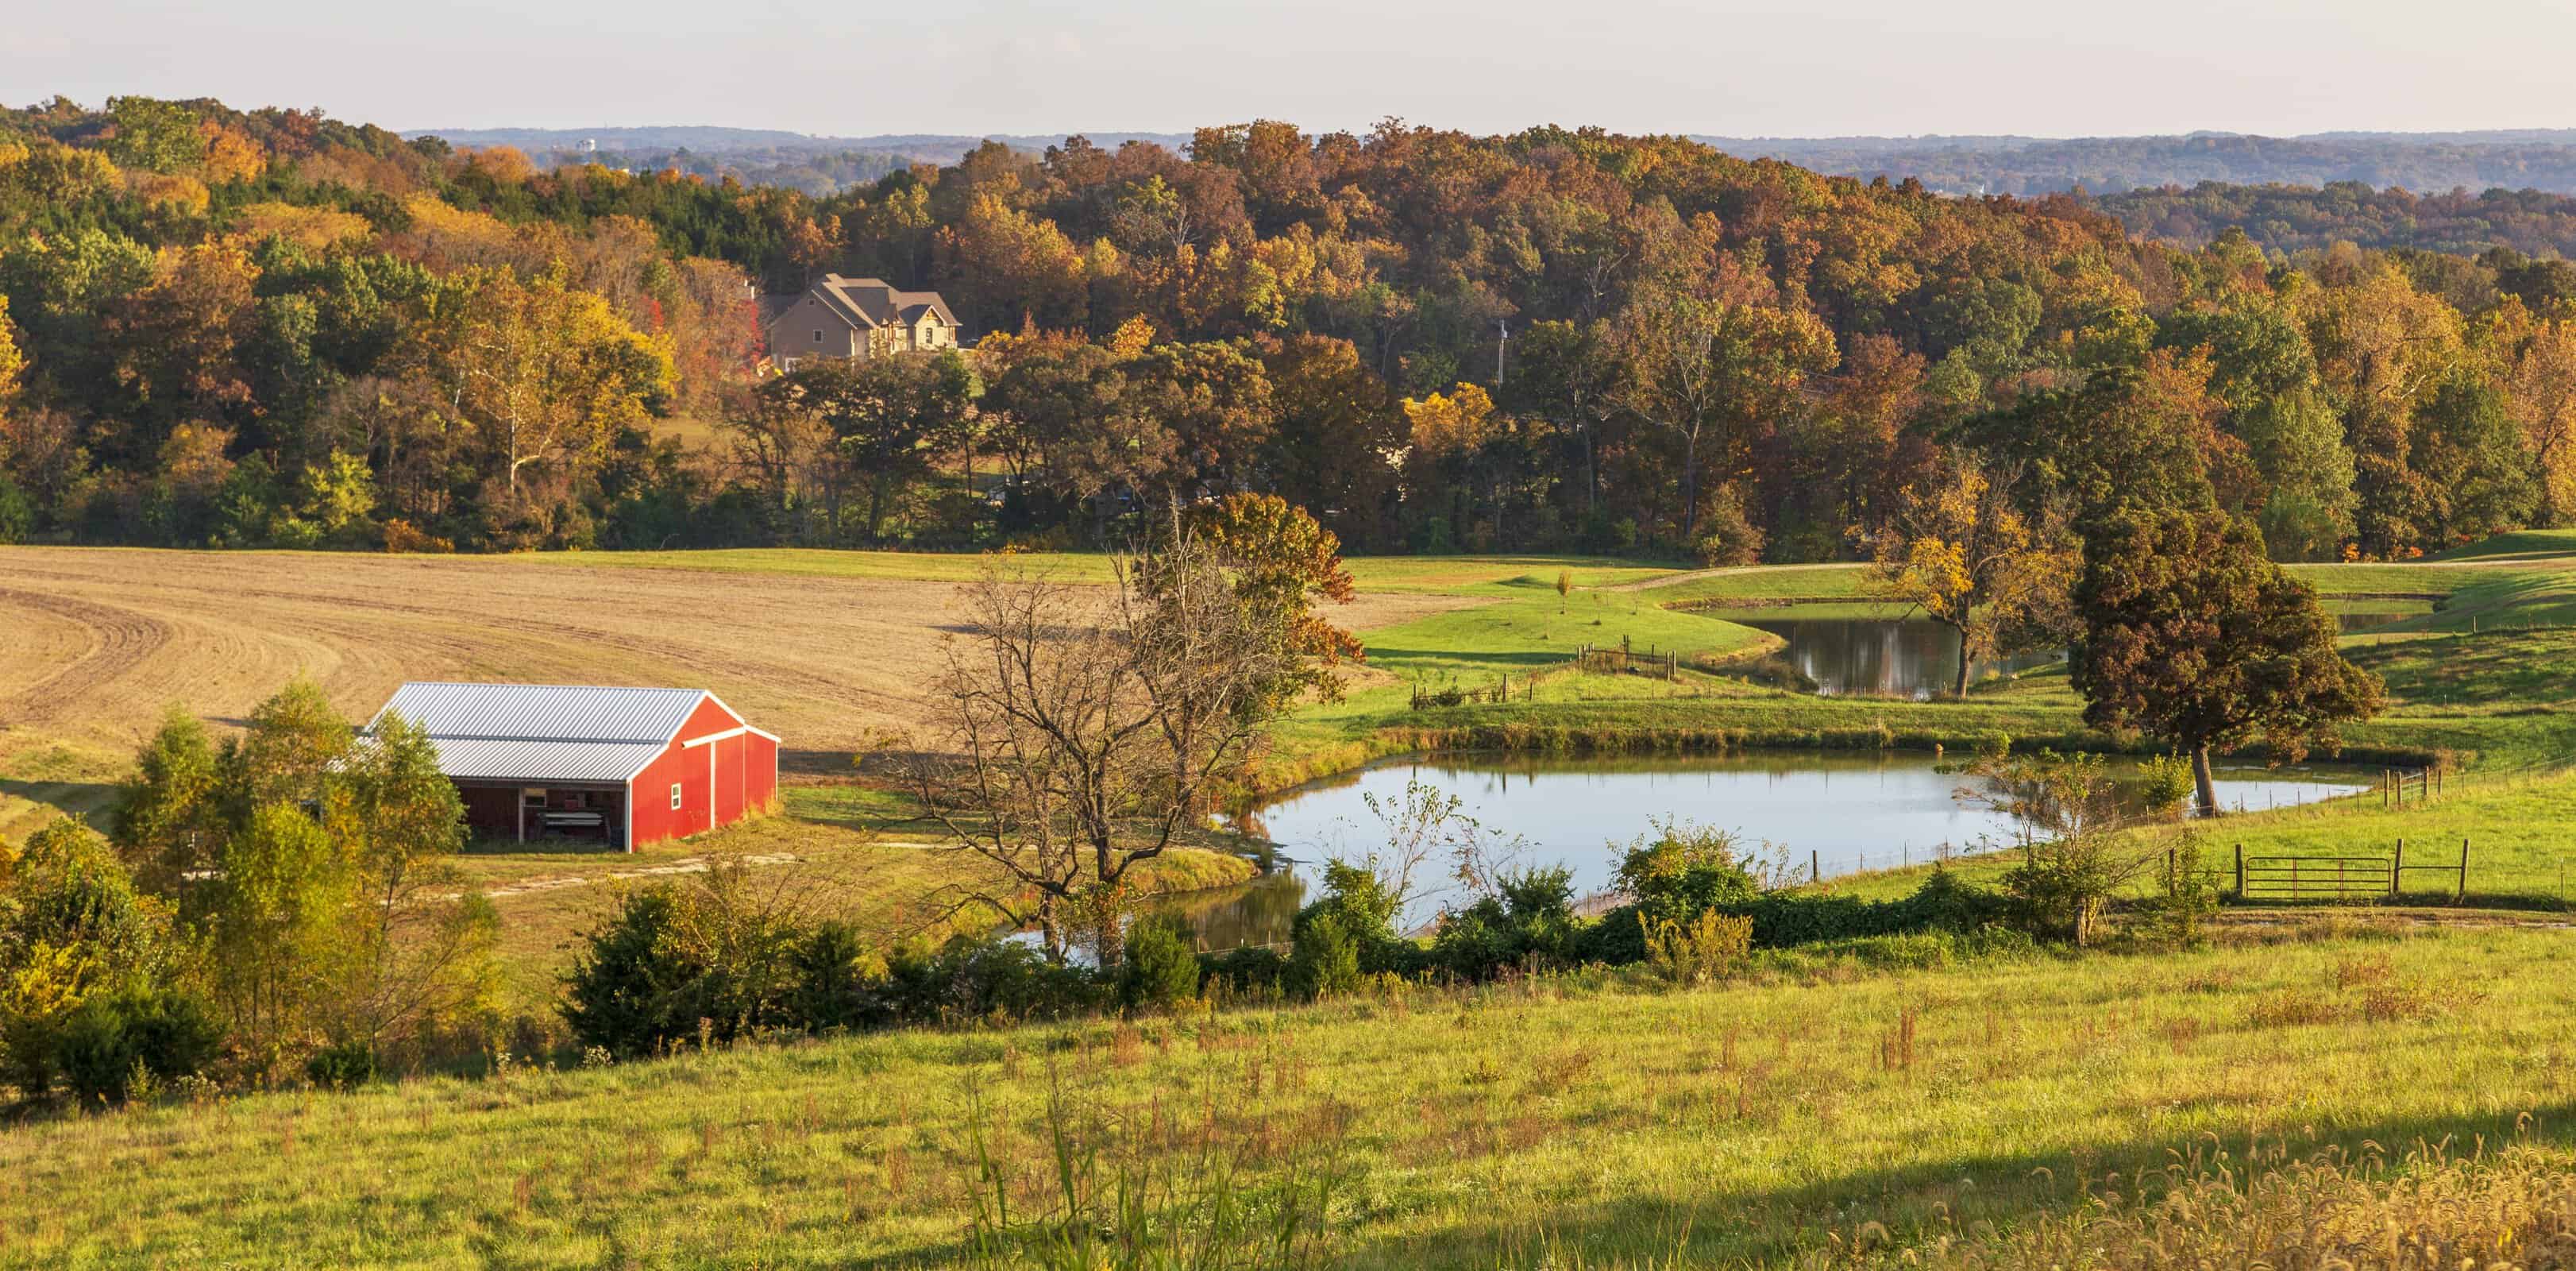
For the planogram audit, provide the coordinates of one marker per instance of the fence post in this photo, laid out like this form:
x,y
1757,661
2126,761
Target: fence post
x,y
2240,871
2463,893
1815,871
2396,864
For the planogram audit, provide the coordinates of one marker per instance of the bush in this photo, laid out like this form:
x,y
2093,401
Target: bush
x,y
1250,969
678,963
113,1039
1530,919
836,981
346,1066
2163,783
1708,948
1325,962
1161,971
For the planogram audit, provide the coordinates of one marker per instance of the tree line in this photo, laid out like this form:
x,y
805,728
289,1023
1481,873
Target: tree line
x,y
272,328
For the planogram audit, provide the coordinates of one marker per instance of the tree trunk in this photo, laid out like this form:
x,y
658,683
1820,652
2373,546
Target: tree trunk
x,y
1690,492
1960,689
2201,781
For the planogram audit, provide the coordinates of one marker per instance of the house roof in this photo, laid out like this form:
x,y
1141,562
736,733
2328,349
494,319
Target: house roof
x,y
865,303
545,732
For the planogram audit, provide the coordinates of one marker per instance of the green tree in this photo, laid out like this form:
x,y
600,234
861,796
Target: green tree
x,y
157,135
72,926
420,942
284,756
890,416
2192,637
168,816
276,920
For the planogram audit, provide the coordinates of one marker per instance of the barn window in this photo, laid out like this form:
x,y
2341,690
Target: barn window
x,y
675,796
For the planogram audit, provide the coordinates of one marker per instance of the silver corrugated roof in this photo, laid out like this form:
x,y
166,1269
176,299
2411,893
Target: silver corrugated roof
x,y
544,732
540,762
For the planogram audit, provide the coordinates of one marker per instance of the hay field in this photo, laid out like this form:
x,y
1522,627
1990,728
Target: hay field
x,y
94,642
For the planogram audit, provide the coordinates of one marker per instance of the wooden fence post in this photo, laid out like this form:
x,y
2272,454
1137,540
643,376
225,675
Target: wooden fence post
x,y
2396,865
1815,871
2463,893
2240,871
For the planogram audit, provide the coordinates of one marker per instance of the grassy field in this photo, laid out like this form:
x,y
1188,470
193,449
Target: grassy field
x,y
1889,1100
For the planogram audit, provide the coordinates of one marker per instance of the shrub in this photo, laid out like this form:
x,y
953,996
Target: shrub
x,y
1325,962
1250,969
112,1039
346,1066
2187,898
1530,918
972,977
2163,783
677,963
836,981
1161,971
1708,948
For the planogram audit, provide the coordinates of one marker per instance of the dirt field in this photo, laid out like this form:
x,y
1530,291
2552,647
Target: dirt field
x,y
95,641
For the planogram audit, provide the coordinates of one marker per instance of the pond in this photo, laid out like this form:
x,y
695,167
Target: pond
x,y
1917,657
1883,657
1841,810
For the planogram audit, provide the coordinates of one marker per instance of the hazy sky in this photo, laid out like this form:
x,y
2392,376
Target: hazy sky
x,y
2045,67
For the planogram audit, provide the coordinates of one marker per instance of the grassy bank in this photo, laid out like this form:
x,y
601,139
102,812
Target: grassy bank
x,y
1835,1098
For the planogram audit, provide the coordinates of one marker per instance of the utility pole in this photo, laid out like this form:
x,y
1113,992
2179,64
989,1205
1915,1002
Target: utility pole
x,y
1502,337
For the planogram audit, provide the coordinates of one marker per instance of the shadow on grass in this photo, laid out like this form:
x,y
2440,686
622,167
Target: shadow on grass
x,y
1926,1200
91,799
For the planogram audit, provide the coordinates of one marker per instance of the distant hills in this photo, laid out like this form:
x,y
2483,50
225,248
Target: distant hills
x,y
819,166
2432,162
2514,159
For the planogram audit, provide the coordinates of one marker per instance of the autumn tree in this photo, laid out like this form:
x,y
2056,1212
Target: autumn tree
x,y
890,416
547,373
1711,374
1959,551
2194,638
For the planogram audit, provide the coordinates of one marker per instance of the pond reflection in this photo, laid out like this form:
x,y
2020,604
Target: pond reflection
x,y
1883,657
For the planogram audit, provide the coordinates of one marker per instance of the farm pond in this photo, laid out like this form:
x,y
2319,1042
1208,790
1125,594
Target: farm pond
x,y
1917,657
1843,811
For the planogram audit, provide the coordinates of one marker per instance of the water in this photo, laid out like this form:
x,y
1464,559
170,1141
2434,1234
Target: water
x,y
1916,657
1850,810
1884,657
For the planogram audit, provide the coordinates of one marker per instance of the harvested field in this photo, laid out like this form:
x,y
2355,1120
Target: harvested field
x,y
100,639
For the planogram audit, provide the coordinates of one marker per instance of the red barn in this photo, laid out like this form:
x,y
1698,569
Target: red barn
x,y
624,766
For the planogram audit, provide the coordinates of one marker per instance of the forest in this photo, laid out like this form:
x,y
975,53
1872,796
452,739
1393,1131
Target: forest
x,y
273,328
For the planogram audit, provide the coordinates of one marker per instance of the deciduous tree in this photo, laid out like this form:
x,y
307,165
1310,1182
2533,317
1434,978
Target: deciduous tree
x,y
2192,637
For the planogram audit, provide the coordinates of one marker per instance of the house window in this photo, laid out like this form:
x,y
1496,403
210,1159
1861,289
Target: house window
x,y
818,337
675,796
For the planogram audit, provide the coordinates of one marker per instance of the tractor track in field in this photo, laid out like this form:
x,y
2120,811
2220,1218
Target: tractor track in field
x,y
121,640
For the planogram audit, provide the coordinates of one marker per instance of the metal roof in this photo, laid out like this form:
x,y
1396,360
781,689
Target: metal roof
x,y
544,732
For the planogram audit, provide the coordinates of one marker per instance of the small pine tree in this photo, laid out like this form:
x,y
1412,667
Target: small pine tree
x,y
1326,961
1161,971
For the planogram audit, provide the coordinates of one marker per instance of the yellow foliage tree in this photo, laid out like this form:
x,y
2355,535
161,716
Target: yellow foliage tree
x,y
1452,423
1963,555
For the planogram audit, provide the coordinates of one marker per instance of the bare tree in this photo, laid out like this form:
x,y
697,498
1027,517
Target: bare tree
x,y
1085,727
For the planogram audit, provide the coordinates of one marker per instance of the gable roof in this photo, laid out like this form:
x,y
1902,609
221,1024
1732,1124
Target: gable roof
x,y
546,732
867,303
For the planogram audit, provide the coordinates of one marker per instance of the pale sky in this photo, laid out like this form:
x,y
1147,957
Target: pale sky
x,y
1727,67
